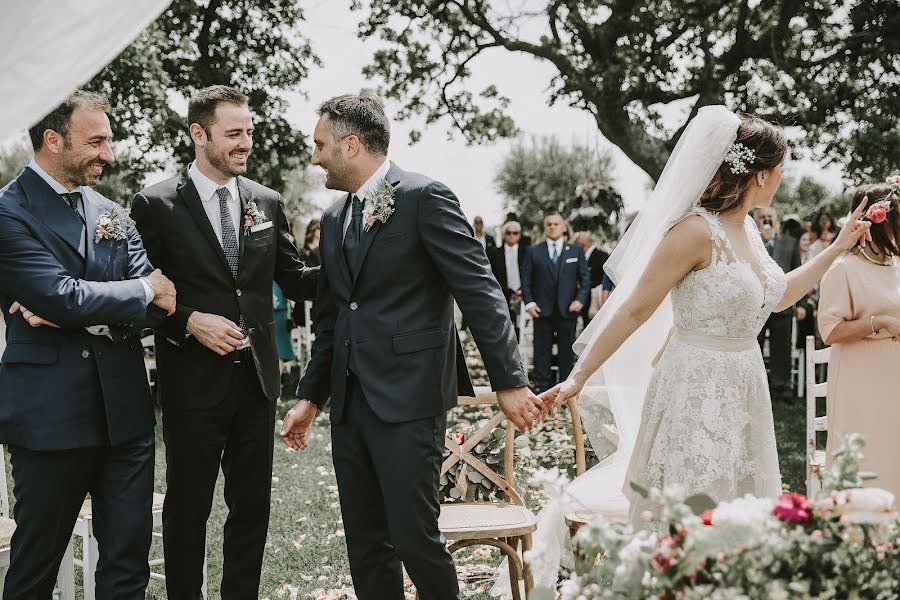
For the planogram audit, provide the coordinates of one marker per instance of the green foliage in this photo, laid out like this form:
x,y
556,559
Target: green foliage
x,y
829,67
807,197
13,159
253,45
545,175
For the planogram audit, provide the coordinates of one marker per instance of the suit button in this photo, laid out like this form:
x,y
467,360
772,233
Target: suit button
x,y
238,291
354,306
85,354
251,330
347,344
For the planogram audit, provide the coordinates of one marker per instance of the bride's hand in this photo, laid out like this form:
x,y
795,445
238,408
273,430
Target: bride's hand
x,y
559,394
855,231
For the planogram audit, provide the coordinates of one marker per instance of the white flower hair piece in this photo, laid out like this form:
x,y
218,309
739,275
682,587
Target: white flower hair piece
x,y
738,156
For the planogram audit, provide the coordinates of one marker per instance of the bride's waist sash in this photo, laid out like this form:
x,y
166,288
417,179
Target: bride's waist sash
x,y
705,341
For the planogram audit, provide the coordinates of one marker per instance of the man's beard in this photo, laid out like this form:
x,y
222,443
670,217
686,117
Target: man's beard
x,y
221,163
80,173
337,175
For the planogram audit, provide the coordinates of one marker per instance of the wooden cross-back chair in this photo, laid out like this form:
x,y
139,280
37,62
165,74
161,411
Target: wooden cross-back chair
x,y
506,525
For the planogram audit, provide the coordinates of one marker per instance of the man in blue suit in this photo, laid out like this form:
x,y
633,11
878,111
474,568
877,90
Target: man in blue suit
x,y
76,288
555,287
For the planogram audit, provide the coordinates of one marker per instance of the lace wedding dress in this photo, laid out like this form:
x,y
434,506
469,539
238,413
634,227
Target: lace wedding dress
x,y
707,417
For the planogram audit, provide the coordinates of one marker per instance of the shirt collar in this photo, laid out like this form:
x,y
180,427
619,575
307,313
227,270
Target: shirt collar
x,y
57,186
512,248
206,187
379,174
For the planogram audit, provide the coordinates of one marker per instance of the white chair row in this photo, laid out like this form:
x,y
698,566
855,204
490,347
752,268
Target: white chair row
x,y
815,457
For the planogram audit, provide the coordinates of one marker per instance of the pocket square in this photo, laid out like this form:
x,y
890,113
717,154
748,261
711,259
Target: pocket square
x,y
571,260
261,226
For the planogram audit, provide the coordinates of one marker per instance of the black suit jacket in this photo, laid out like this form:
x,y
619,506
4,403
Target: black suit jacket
x,y
787,255
556,286
389,317
181,241
497,258
65,388
596,261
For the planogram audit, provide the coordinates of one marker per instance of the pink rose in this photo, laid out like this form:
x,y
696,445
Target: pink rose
x,y
707,516
793,508
876,213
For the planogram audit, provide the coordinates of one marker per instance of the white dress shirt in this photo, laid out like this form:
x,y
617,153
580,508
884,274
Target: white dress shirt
x,y
554,249
206,188
511,255
589,251
482,240
366,189
59,188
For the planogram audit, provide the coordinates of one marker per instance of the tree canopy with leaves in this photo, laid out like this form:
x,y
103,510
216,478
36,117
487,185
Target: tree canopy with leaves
x,y
544,176
253,45
830,67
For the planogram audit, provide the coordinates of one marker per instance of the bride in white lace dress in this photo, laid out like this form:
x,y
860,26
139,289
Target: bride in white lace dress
x,y
693,277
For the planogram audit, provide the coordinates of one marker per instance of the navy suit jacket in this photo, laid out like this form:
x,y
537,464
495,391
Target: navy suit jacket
x,y
388,318
555,286
65,388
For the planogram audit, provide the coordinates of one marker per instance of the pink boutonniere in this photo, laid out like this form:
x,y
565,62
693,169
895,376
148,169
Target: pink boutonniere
x,y
379,204
112,224
253,217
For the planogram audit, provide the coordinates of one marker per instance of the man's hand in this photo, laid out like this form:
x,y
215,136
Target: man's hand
x,y
33,319
296,423
534,311
521,407
163,291
800,313
575,307
216,333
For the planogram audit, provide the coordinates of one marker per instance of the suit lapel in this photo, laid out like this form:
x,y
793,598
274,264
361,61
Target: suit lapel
x,y
48,206
365,242
245,197
97,255
192,201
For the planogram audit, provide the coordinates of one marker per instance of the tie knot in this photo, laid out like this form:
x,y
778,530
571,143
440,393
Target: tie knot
x,y
72,198
224,194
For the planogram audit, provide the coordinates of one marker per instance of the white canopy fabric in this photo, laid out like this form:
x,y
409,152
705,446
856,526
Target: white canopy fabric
x,y
51,47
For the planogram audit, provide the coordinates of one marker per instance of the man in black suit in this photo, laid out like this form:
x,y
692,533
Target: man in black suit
x,y
75,408
396,251
555,287
506,263
785,249
486,240
596,258
223,238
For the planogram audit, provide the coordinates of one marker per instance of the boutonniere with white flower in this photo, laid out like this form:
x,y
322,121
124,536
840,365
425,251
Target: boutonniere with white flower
x,y
253,217
379,204
112,224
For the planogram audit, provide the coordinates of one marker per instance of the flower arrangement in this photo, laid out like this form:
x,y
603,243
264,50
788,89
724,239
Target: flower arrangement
x,y
253,217
842,544
379,204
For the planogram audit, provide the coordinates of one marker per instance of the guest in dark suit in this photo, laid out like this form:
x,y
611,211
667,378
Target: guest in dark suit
x,y
486,240
555,288
75,407
216,356
785,250
388,353
596,258
525,239
506,264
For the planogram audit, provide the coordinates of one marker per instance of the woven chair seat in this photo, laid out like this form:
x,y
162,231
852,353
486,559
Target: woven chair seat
x,y
7,528
87,509
473,520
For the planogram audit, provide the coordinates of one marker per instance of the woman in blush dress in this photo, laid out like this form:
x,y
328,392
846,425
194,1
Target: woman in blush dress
x,y
859,316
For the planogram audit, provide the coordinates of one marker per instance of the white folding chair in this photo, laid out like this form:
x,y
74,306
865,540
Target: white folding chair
x,y
65,582
815,458
84,528
798,361
526,340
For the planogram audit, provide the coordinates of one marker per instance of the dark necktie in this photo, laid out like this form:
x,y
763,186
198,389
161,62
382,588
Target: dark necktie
x,y
74,201
351,238
229,237
554,255
770,246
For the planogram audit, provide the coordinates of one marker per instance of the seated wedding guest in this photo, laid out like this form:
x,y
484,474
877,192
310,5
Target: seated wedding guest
x,y
486,239
825,229
859,316
786,252
506,264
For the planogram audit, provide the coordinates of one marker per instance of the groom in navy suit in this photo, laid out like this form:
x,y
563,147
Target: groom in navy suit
x,y
555,287
76,288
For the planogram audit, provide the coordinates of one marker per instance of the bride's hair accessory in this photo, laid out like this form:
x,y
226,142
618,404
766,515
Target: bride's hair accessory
x,y
878,212
738,156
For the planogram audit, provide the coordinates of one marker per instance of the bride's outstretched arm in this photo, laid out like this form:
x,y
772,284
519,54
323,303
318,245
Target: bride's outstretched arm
x,y
801,280
685,247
